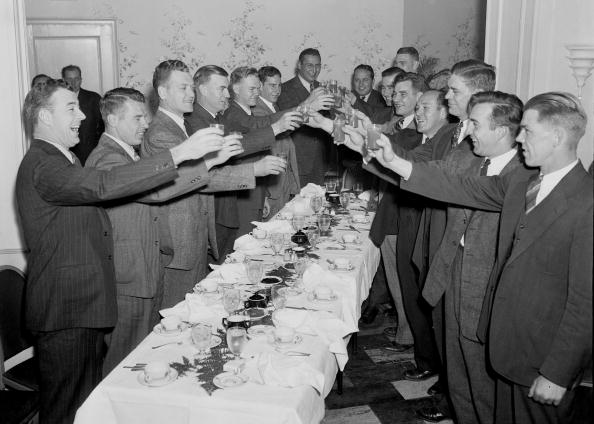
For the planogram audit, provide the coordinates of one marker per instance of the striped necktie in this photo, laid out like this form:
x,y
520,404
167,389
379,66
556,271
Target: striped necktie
x,y
456,135
485,167
532,192
188,128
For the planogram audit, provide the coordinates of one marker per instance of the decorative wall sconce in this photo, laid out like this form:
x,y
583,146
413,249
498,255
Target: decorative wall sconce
x,y
581,61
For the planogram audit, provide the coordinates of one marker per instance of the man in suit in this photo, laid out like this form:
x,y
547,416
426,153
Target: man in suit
x,y
190,218
362,81
311,144
407,59
70,295
282,187
142,244
92,127
464,260
212,97
538,306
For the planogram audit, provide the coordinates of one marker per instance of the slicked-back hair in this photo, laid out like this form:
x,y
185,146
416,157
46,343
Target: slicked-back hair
x,y
202,75
36,77
365,67
440,99
418,81
239,74
38,99
70,68
411,51
114,100
309,52
506,109
164,70
477,74
560,109
268,72
393,70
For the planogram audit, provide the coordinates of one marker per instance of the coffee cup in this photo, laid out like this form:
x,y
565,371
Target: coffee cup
x,y
323,292
256,301
359,218
284,334
171,323
342,263
349,238
258,233
236,320
154,371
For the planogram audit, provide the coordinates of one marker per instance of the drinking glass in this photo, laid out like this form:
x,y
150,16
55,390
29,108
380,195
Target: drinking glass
x,y
254,270
316,203
277,242
333,86
231,299
345,198
218,126
304,111
313,235
324,221
358,189
236,338
374,132
282,155
300,266
330,186
278,295
298,222
337,132
201,336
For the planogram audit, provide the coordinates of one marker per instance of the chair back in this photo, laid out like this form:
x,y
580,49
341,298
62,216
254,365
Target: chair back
x,y
13,337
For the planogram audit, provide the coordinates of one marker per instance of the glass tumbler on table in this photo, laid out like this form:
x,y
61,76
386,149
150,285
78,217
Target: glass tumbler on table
x,y
201,336
345,198
231,300
316,203
278,295
254,270
324,222
277,241
236,338
298,222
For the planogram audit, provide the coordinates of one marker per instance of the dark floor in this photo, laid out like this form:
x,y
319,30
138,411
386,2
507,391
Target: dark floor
x,y
374,391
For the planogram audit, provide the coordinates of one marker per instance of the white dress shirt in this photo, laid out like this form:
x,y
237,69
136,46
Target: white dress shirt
x,y
69,155
246,109
127,148
269,104
550,181
406,121
304,82
463,134
176,118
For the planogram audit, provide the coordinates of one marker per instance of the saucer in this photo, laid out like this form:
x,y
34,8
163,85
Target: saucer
x,y
226,380
158,329
260,331
170,377
296,340
332,266
313,298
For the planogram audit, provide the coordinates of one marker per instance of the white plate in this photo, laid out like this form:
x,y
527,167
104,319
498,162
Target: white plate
x,y
313,298
214,341
158,329
296,340
226,380
333,267
259,331
171,376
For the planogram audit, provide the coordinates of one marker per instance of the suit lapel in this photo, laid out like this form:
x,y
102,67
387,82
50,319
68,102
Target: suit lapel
x,y
109,144
170,124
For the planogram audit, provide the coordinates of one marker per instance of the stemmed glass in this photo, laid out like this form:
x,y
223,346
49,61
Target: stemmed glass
x,y
298,222
324,222
278,295
231,300
255,270
236,338
345,198
201,336
313,234
316,203
276,243
300,266
358,189
330,186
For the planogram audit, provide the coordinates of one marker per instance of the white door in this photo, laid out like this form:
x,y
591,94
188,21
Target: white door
x,y
91,45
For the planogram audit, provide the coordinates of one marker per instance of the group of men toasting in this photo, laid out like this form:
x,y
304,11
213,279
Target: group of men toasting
x,y
496,284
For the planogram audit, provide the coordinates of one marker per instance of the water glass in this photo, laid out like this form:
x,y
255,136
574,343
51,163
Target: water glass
x,y
201,336
254,270
313,235
358,189
337,132
236,338
218,126
277,242
298,222
330,186
324,222
231,299
374,132
278,295
345,198
316,203
304,110
300,266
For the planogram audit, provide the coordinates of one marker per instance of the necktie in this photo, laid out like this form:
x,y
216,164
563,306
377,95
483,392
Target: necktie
x,y
485,167
188,128
400,124
362,98
456,135
532,192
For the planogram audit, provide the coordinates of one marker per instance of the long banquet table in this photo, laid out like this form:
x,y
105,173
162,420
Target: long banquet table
x,y
120,398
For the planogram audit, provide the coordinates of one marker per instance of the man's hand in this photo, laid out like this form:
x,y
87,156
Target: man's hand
x,y
546,392
354,140
351,97
200,143
231,147
269,165
319,100
287,122
266,208
316,120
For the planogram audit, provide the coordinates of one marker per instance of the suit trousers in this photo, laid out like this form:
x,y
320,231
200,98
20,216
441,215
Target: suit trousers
x,y
178,282
471,383
388,250
70,362
418,312
134,324
513,406
225,239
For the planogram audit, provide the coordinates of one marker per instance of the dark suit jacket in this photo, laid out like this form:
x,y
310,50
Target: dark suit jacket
x,y
480,230
191,218
91,127
375,108
312,145
71,280
137,234
541,286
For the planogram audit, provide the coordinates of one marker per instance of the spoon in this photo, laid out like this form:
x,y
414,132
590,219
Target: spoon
x,y
165,344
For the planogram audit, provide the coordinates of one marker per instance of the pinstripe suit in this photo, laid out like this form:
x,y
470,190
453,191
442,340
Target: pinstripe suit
x,y
70,294
191,218
138,236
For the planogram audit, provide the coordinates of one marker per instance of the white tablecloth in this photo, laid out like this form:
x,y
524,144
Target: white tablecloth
x,y
120,398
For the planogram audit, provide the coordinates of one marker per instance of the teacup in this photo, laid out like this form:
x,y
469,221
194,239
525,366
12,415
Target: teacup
x,y
323,292
284,334
209,285
236,320
342,263
154,371
359,218
258,233
349,238
171,323
256,301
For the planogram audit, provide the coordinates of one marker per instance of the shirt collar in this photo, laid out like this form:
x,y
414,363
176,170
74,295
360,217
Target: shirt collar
x,y
208,111
462,135
304,82
69,155
177,119
556,176
497,163
245,108
407,120
127,148
365,98
269,104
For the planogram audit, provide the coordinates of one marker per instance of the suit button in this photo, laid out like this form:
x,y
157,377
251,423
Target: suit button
x,y
522,226
156,218
105,233
193,181
156,242
109,257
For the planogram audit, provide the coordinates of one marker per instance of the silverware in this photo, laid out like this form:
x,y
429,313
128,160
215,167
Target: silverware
x,y
354,229
165,344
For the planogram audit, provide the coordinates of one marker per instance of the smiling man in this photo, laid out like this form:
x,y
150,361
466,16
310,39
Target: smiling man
x,y
538,305
363,77
407,59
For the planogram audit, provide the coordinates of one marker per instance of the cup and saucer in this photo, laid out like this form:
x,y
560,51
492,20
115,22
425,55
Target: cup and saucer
x,y
227,379
157,374
285,337
340,264
260,331
322,294
170,326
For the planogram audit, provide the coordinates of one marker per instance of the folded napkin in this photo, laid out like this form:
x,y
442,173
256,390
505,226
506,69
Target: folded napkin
x,y
275,226
230,272
366,195
196,308
276,369
311,190
251,246
315,275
